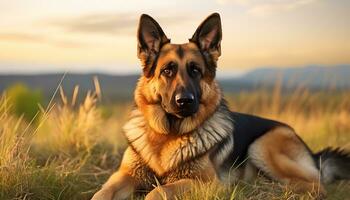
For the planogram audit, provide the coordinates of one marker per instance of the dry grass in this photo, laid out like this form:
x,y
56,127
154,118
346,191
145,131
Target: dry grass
x,y
73,148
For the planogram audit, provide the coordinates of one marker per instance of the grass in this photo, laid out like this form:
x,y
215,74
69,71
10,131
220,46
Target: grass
x,y
71,148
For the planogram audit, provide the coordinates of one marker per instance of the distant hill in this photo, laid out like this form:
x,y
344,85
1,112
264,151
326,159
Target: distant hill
x,y
119,87
113,87
311,76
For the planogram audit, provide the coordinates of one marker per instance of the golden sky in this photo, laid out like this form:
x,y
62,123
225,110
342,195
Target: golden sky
x,y
96,35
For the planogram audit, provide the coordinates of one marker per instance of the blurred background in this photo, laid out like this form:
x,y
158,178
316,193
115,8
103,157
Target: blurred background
x,y
68,70
301,42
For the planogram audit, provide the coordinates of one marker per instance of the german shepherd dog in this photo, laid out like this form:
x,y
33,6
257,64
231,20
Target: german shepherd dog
x,y
181,130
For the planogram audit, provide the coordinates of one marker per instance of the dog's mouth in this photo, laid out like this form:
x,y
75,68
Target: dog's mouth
x,y
180,113
184,113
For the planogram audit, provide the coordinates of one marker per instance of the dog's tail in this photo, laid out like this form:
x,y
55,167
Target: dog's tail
x,y
334,164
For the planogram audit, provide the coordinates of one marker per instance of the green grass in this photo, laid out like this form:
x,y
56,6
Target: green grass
x,y
71,149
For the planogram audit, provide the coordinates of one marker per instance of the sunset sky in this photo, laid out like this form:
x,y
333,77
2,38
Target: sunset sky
x,y
96,35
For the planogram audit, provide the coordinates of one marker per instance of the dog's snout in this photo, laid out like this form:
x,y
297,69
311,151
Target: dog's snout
x,y
184,99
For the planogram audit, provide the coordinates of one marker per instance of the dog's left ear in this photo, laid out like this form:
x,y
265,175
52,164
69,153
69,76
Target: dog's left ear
x,y
151,38
208,36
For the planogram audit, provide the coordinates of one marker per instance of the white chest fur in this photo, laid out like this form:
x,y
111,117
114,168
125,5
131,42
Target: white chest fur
x,y
168,154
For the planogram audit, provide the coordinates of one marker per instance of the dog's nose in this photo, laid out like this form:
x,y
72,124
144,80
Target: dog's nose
x,y
184,99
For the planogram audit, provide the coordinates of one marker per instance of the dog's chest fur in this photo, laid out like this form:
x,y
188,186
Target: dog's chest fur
x,y
163,153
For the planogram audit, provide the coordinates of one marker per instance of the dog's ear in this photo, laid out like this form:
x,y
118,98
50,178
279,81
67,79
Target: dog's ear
x,y
150,39
208,36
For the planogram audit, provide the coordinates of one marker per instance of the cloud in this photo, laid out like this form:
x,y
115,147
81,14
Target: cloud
x,y
241,2
37,38
21,37
98,23
112,24
265,7
278,6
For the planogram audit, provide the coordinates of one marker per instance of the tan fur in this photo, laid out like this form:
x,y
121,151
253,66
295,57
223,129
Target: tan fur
x,y
121,184
169,191
281,155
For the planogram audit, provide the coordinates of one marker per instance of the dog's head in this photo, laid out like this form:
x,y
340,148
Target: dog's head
x,y
179,77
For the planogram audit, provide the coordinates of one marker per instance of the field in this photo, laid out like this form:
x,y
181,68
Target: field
x,y
71,147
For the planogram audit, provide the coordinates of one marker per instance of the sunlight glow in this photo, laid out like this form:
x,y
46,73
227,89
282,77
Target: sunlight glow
x,y
90,33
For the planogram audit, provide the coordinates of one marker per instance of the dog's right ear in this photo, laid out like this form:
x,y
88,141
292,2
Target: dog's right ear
x,y
150,39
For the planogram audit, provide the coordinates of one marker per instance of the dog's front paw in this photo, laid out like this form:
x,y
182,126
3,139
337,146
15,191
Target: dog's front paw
x,y
159,193
155,195
103,194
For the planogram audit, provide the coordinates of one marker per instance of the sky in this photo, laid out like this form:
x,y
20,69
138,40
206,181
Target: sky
x,y
100,36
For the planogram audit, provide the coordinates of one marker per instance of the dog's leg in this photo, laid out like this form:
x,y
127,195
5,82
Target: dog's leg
x,y
284,157
250,172
119,186
169,191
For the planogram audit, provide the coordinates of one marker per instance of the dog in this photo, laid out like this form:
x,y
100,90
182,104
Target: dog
x,y
181,130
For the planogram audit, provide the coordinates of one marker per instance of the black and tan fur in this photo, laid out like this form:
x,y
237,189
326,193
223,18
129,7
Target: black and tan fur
x,y
179,145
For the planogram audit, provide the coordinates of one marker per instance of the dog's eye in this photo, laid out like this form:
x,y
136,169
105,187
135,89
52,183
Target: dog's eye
x,y
194,70
169,70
